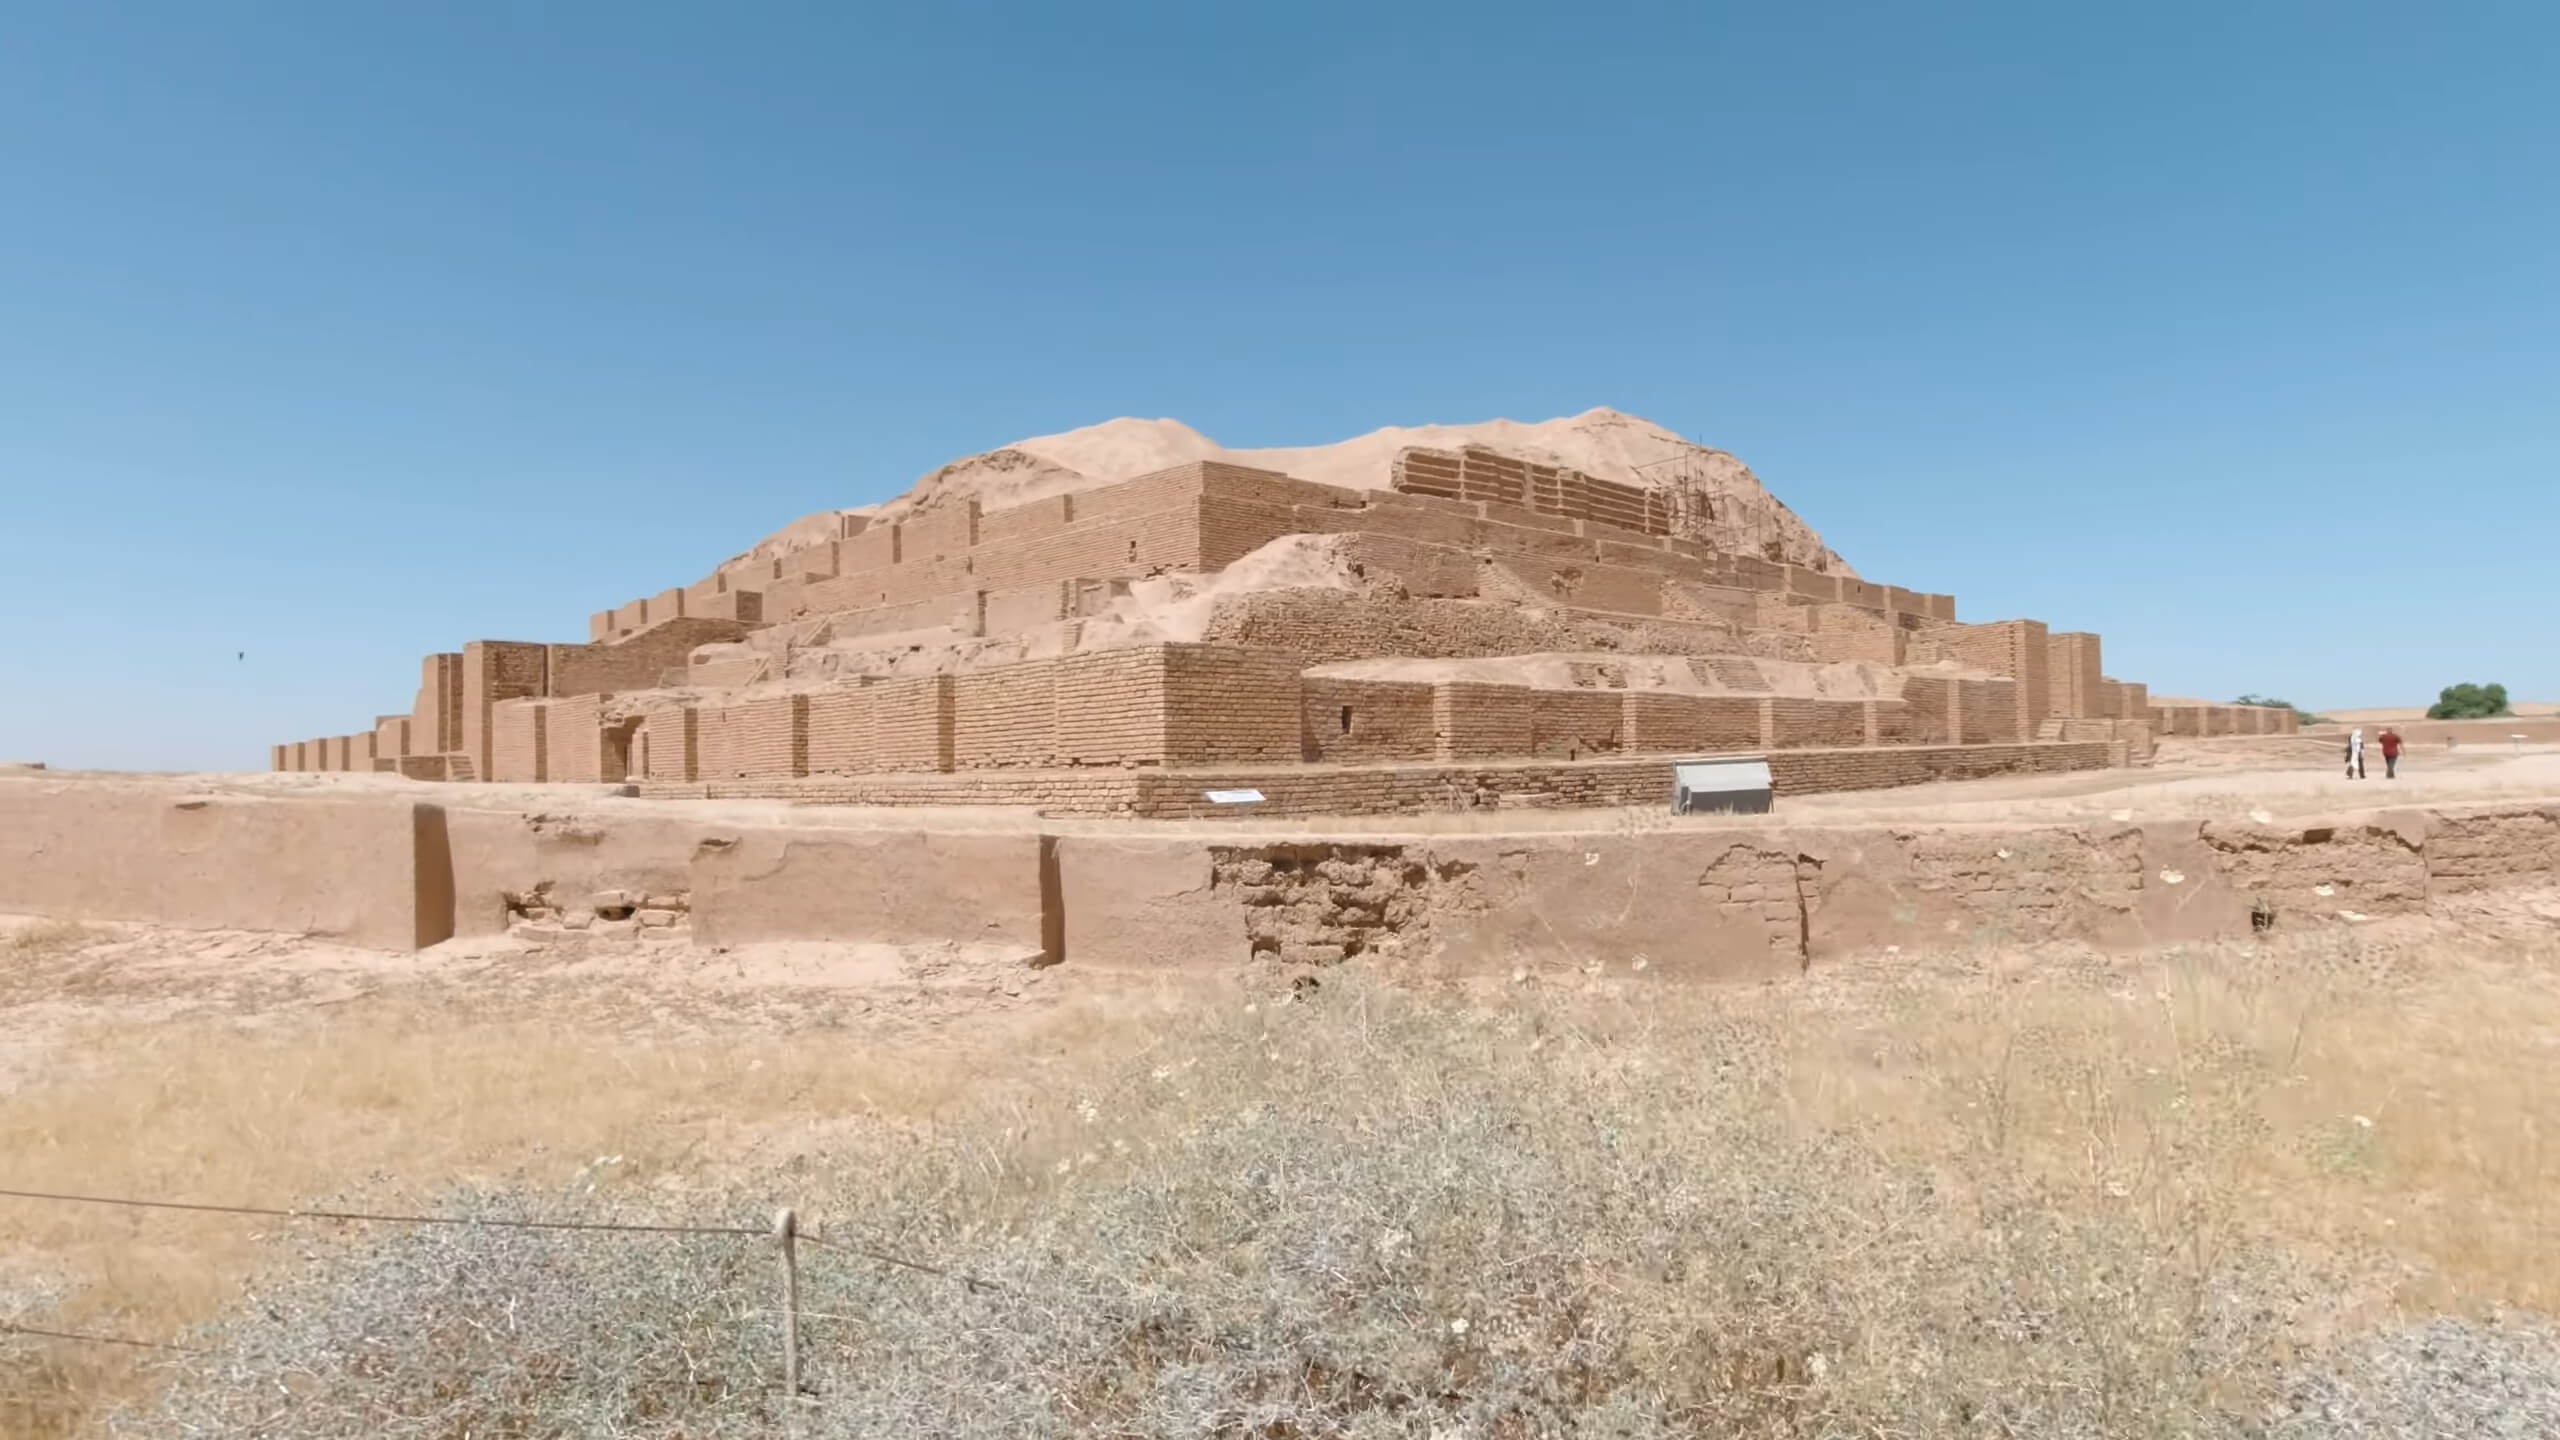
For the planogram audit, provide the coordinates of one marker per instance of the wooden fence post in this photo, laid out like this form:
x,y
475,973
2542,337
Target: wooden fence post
x,y
786,1228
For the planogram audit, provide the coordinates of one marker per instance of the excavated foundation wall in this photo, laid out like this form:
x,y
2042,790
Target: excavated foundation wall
x,y
1714,900
1730,902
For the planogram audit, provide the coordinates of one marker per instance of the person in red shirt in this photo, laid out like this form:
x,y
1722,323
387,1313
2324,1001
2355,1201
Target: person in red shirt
x,y
2390,753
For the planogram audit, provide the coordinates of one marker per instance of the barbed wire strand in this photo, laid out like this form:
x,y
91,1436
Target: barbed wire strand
x,y
8,1328
368,1217
974,1282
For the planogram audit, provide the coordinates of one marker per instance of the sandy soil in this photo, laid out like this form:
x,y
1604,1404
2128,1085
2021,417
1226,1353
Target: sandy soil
x,y
2217,778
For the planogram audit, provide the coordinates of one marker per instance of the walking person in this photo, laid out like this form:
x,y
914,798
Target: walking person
x,y
2355,754
2390,753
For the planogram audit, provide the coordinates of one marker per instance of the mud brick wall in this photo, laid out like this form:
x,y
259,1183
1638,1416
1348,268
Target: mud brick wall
x,y
1932,710
1117,545
1618,588
762,739
840,733
769,737
1892,722
1005,718
518,753
2180,720
573,739
1477,721
1417,471
2133,700
494,671
943,532
1570,724
870,550
1003,612
746,607
1782,612
1225,704
1016,523
2478,852
2018,649
1987,712
953,609
1690,600
1421,519
1845,632
1361,721
822,561
2074,687
636,663
435,719
701,592
631,616
1111,707
391,737
1800,724
715,748
1232,528
1807,772
1812,584
1424,570
1679,724
280,757
911,723
1492,476
667,746
1442,787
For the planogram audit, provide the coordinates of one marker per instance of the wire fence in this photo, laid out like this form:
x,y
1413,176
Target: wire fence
x,y
785,1232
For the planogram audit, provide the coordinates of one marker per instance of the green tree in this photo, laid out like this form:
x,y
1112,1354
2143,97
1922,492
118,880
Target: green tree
x,y
2469,702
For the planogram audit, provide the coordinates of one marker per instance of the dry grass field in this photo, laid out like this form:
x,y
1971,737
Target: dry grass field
x,y
1991,1190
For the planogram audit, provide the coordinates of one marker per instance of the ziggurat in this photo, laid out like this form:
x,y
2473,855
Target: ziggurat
x,y
1481,630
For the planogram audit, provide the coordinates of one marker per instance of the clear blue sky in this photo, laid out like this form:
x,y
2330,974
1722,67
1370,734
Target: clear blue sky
x,y
342,333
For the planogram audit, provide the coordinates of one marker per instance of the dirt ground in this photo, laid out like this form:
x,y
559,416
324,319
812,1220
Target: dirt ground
x,y
273,1070
2217,778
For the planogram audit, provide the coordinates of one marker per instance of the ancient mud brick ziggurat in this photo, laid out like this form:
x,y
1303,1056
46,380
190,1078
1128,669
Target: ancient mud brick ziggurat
x,y
1482,631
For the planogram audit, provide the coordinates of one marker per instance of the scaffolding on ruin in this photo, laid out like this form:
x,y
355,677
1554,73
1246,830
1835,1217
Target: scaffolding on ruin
x,y
1711,503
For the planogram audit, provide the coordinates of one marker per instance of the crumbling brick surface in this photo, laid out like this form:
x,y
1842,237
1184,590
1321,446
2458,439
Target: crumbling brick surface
x,y
1322,904
2475,852
1765,887
2030,884
2367,868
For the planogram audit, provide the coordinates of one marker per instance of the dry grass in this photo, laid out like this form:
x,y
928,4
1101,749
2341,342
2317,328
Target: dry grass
x,y
43,940
2006,1191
